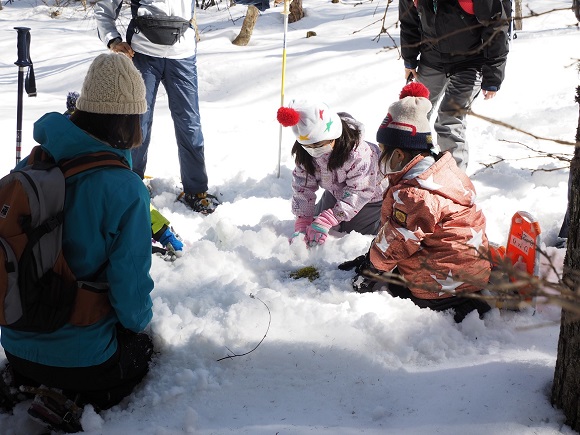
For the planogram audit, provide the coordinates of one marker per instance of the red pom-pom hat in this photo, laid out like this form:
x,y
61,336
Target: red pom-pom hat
x,y
414,89
311,122
407,126
287,116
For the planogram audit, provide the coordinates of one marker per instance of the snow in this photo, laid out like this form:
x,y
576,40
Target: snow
x,y
331,361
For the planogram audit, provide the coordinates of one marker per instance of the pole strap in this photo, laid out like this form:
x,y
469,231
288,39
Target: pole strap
x,y
24,60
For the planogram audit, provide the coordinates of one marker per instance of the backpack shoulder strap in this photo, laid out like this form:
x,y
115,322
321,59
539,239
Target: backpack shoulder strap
x,y
38,154
83,163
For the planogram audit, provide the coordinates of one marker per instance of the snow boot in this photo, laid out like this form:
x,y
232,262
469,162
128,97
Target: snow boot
x,y
10,396
54,410
147,181
203,203
7,397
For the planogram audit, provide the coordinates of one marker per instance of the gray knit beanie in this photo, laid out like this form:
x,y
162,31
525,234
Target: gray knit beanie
x,y
113,86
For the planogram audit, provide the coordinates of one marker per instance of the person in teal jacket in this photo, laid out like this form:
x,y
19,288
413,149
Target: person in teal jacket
x,y
107,222
161,230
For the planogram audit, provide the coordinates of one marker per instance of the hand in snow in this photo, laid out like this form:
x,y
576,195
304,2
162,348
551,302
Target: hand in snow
x,y
300,225
317,232
173,245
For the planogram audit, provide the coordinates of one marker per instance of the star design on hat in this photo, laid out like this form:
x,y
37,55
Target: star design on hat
x,y
447,284
396,197
321,114
476,239
328,124
304,137
429,183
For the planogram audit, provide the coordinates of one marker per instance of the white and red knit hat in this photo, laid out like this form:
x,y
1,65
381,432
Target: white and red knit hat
x,y
310,122
406,125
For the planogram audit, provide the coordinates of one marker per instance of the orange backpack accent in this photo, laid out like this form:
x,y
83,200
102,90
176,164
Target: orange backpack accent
x,y
38,291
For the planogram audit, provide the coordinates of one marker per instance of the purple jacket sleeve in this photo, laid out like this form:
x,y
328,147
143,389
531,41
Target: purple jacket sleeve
x,y
304,189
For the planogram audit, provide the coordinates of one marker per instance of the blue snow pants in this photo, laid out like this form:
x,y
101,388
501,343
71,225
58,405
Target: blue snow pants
x,y
179,78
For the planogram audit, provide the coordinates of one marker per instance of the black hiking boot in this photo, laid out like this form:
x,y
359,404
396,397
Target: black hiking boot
x,y
203,203
7,396
10,396
54,410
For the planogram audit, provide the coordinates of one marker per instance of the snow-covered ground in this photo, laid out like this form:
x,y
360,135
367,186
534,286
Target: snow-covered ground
x,y
332,362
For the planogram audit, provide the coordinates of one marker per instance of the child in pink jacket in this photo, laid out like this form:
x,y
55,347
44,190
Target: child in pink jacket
x,y
432,233
330,153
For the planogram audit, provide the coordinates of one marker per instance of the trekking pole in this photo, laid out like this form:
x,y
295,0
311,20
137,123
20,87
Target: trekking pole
x,y
23,62
285,12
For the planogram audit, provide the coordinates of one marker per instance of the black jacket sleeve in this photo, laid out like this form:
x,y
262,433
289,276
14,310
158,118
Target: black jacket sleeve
x,y
410,32
495,15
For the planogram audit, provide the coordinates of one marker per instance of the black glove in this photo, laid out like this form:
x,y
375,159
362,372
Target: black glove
x,y
351,264
361,283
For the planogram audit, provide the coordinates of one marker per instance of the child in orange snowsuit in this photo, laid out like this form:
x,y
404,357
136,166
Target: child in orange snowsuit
x,y
432,234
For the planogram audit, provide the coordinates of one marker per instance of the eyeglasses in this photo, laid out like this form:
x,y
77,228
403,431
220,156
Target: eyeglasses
x,y
319,144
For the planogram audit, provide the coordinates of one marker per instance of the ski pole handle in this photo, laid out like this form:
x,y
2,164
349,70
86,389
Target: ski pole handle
x,y
23,46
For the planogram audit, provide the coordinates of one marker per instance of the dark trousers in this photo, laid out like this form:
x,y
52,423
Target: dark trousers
x,y
451,97
179,77
461,305
103,385
366,221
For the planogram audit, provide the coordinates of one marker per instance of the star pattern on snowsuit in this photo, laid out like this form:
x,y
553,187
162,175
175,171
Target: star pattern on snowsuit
x,y
470,193
447,284
382,243
429,183
396,197
476,239
407,234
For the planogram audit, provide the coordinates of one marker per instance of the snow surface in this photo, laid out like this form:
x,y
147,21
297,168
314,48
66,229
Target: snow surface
x,y
331,362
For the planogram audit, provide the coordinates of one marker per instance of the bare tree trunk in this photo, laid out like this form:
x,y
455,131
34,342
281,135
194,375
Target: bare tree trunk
x,y
247,26
193,22
566,386
518,15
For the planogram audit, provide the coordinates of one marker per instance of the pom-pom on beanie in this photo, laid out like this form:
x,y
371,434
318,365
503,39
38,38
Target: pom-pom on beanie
x,y
310,122
406,125
113,86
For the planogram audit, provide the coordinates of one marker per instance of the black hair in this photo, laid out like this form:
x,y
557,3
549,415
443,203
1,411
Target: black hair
x,y
119,131
348,141
410,153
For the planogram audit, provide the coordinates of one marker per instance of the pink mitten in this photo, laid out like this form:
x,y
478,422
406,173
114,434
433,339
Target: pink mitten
x,y
317,232
300,226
